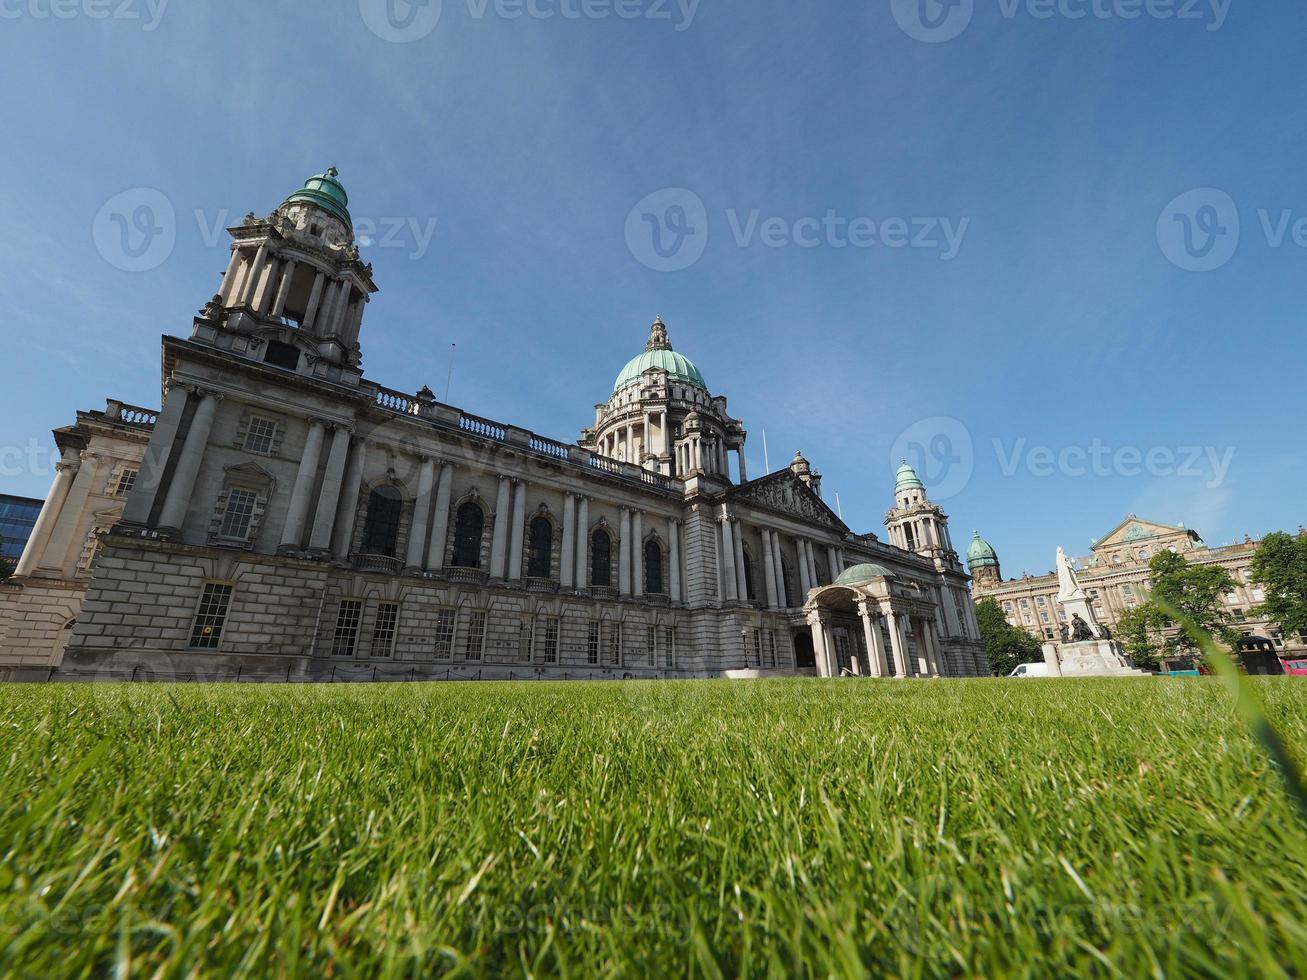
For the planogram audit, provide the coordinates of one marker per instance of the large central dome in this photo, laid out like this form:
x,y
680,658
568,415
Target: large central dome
x,y
658,354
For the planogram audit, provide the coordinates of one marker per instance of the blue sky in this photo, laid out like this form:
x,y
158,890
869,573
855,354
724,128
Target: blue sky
x,y
1067,324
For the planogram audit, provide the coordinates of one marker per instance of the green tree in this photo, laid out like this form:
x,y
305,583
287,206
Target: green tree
x,y
1197,592
1006,646
1139,631
1280,567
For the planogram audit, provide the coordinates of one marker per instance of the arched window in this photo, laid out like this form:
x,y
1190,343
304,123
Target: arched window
x,y
601,559
381,529
469,523
749,592
542,549
653,568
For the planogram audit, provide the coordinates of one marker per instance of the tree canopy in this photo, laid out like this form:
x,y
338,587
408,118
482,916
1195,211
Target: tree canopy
x,y
1006,646
1280,567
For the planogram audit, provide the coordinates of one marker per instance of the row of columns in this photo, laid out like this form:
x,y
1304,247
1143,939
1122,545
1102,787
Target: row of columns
x,y
263,283
734,580
72,473
898,624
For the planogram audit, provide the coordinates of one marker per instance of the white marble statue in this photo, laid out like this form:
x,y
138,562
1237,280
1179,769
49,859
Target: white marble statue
x,y
1068,584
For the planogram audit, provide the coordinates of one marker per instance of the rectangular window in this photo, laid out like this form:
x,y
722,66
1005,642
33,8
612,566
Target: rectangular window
x,y
525,631
757,647
592,639
239,516
126,480
260,436
547,640
383,634
475,640
669,651
651,644
615,645
346,638
444,646
210,616
1025,603
1127,590
771,648
1041,601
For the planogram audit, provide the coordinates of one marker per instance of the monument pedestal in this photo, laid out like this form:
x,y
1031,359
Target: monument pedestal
x,y
1089,658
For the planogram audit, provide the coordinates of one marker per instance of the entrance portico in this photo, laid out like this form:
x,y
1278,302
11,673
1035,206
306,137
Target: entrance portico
x,y
867,625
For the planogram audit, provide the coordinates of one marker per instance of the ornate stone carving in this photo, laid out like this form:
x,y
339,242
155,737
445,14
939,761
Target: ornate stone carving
x,y
787,493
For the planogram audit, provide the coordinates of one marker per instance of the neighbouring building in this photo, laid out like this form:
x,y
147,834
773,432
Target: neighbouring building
x,y
288,516
17,518
1115,574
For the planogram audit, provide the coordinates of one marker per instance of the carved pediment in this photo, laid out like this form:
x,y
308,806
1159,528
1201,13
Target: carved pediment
x,y
786,493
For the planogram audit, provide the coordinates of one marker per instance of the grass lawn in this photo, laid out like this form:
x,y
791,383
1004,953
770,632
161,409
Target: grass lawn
x,y
1124,827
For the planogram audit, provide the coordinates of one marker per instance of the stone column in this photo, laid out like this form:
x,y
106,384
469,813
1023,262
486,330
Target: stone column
x,y
343,299
624,554
228,285
251,277
499,539
744,469
64,474
726,558
897,642
328,501
440,518
88,476
781,600
820,637
262,299
834,560
567,561
805,576
516,558
812,563
417,532
769,569
347,507
315,300
932,648
188,465
283,291
741,579
879,666
637,553
583,544
923,647
293,532
140,502
674,557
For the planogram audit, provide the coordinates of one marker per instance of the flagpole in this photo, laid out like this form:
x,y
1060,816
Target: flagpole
x,y
449,378
766,457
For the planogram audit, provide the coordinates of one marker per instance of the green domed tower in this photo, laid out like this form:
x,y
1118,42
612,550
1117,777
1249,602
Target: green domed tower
x,y
982,559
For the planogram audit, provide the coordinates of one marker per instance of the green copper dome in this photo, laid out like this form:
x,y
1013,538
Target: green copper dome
x,y
907,479
326,192
980,554
860,574
658,354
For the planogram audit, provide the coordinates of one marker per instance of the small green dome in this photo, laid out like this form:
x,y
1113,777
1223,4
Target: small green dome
x,y
859,574
658,354
907,479
326,192
980,554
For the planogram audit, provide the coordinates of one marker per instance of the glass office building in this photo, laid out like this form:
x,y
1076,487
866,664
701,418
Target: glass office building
x,y
17,518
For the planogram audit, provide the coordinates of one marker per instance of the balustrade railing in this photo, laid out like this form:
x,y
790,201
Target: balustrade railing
x,y
131,414
380,564
550,448
397,401
481,427
466,576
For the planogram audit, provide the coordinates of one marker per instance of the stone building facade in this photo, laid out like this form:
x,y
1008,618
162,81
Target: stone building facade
x,y
1116,576
291,517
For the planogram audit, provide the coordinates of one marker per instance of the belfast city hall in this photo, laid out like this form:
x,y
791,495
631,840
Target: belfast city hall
x,y
280,516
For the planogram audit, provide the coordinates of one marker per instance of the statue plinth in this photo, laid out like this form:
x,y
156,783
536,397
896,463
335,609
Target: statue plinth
x,y
1089,658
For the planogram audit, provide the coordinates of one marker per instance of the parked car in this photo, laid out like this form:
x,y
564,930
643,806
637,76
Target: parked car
x,y
1032,670
1297,666
1180,667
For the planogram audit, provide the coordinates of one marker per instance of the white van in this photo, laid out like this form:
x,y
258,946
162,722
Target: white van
x,y
1032,670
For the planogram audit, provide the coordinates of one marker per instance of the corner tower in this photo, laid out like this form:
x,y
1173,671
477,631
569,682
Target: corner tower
x,y
914,523
983,562
295,290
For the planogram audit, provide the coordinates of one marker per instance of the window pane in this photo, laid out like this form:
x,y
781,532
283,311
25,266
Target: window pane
x,y
211,616
345,640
